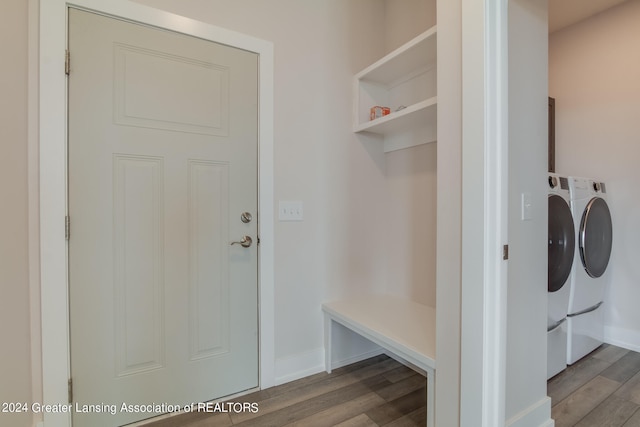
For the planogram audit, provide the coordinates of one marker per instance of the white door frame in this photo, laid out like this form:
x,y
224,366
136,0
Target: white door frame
x,y
53,183
485,167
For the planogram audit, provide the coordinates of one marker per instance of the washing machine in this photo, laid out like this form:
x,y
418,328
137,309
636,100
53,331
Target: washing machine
x,y
589,278
561,250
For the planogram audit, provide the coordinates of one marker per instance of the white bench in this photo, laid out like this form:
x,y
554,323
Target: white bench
x,y
404,328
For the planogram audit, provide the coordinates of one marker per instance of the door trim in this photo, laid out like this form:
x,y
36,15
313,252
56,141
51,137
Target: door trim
x,y
485,212
53,182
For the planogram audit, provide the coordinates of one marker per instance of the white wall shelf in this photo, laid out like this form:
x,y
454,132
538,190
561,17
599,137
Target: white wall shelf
x,y
405,81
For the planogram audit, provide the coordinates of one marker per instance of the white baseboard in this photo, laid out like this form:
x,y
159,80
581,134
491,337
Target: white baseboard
x,y
537,415
299,365
622,337
358,358
302,365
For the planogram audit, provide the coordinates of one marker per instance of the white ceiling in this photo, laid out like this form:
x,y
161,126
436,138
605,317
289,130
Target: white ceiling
x,y
563,13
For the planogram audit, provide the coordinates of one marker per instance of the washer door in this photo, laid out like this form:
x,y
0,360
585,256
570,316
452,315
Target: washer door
x,y
562,242
596,237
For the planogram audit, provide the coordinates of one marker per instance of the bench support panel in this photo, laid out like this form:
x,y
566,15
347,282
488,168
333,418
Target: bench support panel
x,y
410,360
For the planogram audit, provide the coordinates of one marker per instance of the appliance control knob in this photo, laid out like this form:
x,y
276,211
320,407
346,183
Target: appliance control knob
x,y
596,187
553,182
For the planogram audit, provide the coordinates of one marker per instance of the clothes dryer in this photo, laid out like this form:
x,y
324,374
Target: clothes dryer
x,y
594,232
561,249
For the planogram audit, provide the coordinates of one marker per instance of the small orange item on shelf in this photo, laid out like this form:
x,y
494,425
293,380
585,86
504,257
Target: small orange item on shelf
x,y
377,112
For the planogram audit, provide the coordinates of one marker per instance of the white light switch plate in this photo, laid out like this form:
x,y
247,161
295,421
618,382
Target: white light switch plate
x,y
290,211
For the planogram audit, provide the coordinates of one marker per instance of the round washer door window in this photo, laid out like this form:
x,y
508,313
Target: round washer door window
x,y
596,237
562,242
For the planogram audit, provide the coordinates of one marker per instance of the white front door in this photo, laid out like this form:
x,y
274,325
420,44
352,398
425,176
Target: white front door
x,y
162,165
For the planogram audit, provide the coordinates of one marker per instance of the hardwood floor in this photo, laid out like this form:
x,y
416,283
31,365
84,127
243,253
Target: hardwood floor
x,y
601,390
375,392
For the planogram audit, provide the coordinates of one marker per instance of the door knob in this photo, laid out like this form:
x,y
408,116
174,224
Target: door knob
x,y
245,242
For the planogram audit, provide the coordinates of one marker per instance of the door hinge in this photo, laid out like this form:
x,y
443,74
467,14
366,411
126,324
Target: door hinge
x,y
505,252
70,390
67,62
67,227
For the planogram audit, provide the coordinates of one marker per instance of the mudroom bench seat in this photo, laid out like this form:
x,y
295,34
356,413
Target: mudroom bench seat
x,y
404,328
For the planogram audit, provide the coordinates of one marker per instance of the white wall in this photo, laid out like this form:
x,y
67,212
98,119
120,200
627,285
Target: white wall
x,y
411,227
411,179
15,356
593,75
405,19
526,390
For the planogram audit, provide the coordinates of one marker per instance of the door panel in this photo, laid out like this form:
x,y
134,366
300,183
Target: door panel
x,y
139,284
162,162
185,81
209,332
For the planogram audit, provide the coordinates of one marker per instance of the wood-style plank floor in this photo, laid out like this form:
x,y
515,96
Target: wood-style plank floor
x,y
375,392
601,390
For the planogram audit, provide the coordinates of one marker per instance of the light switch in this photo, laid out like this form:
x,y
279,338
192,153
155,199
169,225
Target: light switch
x,y
527,208
290,211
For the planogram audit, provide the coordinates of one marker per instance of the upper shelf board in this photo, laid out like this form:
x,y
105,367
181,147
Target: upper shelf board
x,y
418,53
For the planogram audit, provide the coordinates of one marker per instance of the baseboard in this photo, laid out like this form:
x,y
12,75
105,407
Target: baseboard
x,y
537,415
299,365
622,337
358,358
302,365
